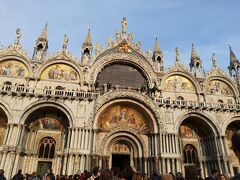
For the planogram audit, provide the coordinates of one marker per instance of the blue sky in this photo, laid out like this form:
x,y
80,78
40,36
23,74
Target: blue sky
x,y
210,24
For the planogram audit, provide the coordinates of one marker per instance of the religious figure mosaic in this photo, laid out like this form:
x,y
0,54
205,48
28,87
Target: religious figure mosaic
x,y
178,83
61,72
219,88
122,116
13,68
120,147
186,131
46,123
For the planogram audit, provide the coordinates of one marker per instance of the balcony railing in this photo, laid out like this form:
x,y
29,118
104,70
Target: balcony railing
x,y
196,104
55,93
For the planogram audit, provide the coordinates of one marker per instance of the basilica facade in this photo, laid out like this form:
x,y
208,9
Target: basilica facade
x,y
116,106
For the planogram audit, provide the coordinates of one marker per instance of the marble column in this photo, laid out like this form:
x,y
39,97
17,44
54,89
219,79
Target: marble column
x,y
3,159
79,138
6,135
86,139
15,165
75,138
9,134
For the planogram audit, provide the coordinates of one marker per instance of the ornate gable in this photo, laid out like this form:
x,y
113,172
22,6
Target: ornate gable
x,y
60,55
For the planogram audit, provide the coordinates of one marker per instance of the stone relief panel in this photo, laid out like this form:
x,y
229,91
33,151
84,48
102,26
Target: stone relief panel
x,y
178,83
61,72
169,117
13,68
217,87
122,116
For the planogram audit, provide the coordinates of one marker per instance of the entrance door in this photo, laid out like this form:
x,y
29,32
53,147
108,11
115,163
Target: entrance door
x,y
121,161
43,166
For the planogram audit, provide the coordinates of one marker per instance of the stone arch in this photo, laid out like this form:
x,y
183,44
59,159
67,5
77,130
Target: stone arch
x,y
5,108
130,59
131,137
133,97
227,123
186,75
205,119
4,120
24,61
72,64
43,104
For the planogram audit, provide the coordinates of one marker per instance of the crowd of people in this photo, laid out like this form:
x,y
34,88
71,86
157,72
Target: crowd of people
x,y
113,174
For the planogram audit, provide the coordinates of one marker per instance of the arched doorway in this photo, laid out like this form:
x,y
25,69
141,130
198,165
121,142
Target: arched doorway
x,y
233,144
198,145
3,126
46,133
123,129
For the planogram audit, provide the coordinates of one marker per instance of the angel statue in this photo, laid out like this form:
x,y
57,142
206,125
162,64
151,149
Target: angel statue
x,y
18,36
65,42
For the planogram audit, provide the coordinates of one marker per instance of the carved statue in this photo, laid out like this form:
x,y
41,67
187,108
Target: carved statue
x,y
110,42
130,37
98,48
138,45
214,62
18,36
65,42
118,37
177,55
149,54
124,26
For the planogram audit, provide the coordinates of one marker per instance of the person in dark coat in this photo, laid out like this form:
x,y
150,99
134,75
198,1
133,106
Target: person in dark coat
x,y
18,176
2,177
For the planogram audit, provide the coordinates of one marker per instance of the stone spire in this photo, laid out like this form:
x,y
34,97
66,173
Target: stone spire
x,y
87,49
88,41
234,63
43,36
233,59
196,63
157,48
157,57
41,45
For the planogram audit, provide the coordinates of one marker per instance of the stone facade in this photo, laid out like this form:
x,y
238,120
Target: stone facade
x,y
55,114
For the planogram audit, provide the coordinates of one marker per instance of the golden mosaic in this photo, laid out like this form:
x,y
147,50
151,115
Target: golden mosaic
x,y
61,72
13,68
178,83
122,116
219,88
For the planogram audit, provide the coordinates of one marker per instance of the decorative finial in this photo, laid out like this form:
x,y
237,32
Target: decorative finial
x,y
214,61
177,55
18,36
124,27
65,42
